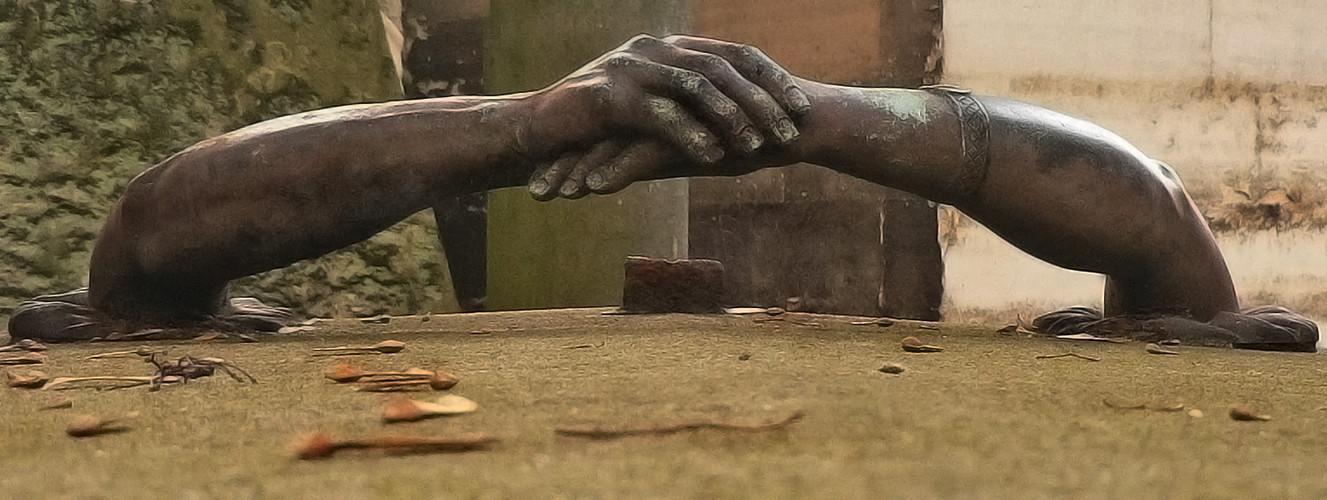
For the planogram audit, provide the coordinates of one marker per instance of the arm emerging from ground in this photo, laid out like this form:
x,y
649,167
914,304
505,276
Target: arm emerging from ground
x,y
1062,189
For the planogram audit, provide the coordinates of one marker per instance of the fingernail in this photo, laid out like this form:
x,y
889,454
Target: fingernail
x,y
785,130
569,189
539,187
798,100
750,139
595,181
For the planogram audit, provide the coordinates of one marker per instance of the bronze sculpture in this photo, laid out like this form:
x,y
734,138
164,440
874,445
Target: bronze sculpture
x,y
1064,190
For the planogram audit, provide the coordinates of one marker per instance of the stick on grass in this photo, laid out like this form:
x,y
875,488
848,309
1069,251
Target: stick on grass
x,y
593,432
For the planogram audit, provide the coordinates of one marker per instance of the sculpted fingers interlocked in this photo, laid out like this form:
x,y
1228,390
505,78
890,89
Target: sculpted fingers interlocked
x,y
654,101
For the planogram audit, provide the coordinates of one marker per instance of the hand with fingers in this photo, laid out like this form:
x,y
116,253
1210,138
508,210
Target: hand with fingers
x,y
628,114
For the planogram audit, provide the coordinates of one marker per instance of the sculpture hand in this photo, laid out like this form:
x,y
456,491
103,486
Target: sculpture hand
x,y
631,111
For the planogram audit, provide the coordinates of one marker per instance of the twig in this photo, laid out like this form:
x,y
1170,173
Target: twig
x,y
345,372
438,381
319,445
384,347
25,345
142,351
1157,349
881,322
1067,355
65,383
30,358
659,430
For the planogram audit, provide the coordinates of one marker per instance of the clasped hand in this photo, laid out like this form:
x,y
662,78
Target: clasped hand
x,y
651,102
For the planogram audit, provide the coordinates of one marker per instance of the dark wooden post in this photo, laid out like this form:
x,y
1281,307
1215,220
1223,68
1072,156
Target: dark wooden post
x,y
443,55
803,236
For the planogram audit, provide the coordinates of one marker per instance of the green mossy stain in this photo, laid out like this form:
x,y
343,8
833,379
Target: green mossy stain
x,y
906,105
94,91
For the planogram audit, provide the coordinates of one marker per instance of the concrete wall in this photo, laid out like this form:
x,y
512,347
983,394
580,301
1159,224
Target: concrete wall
x,y
1229,92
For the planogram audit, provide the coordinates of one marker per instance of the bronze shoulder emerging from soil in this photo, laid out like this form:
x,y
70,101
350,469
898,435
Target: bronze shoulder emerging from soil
x,y
263,197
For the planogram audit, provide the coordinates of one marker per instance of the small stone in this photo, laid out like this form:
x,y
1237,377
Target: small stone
x,y
891,368
744,356
1245,413
1196,413
663,286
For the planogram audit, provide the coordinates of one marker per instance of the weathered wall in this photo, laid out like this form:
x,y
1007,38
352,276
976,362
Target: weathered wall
x,y
1229,92
94,91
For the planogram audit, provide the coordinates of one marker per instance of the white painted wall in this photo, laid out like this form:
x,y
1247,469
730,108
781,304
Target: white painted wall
x,y
1232,93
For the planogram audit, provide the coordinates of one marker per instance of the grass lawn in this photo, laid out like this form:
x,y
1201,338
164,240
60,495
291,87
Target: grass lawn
x,y
983,419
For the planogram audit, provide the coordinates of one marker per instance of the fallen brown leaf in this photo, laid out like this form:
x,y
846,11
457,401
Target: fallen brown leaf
x,y
1157,349
28,380
1124,404
90,425
409,410
913,344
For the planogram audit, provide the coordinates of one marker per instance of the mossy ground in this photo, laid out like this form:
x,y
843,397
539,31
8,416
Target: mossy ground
x,y
983,419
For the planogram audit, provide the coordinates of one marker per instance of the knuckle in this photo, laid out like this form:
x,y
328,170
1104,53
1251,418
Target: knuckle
x,y
748,52
643,41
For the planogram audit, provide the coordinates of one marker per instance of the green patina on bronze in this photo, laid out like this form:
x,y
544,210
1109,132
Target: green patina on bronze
x,y
93,92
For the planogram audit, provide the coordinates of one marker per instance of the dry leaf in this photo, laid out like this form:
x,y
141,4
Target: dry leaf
x,y
1124,404
1157,349
408,410
1165,406
913,344
89,425
28,380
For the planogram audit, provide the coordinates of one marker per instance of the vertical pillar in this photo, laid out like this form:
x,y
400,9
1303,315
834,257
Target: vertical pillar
x,y
442,54
570,253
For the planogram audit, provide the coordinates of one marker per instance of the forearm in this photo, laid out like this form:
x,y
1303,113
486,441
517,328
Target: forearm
x,y
902,138
302,185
